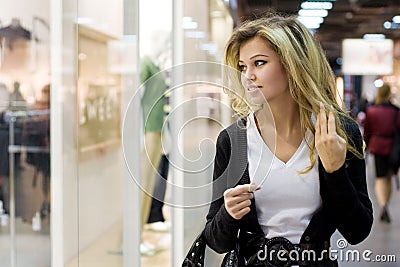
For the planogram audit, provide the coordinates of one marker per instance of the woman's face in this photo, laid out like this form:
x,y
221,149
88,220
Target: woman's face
x,y
262,72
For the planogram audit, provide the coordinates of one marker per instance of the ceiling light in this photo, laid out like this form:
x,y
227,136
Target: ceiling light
x,y
396,19
195,34
84,20
312,20
374,36
316,5
313,12
378,83
217,14
310,25
391,25
189,24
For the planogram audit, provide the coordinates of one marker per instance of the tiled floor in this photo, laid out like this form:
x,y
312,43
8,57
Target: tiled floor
x,y
104,254
32,247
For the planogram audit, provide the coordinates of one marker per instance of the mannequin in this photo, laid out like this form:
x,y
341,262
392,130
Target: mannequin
x,y
14,31
153,101
16,100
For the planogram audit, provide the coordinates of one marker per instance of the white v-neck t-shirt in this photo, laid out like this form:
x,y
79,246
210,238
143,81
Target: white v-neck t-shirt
x,y
287,200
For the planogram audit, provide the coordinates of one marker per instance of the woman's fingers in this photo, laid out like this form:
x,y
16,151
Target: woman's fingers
x,y
322,120
325,125
241,189
330,146
317,127
331,123
238,199
237,207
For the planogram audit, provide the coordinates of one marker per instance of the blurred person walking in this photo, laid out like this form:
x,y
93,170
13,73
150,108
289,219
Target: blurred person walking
x,y
36,134
379,129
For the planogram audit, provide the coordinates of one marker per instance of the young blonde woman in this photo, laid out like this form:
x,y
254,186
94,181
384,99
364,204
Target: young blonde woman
x,y
291,171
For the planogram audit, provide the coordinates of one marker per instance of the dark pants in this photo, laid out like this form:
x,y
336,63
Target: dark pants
x,y
156,214
5,161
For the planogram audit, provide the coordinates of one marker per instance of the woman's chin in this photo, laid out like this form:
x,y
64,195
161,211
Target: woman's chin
x,y
256,97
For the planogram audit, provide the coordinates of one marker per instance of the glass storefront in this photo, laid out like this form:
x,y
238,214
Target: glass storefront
x,y
106,108
87,59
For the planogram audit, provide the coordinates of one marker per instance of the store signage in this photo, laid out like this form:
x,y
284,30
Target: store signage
x,y
367,57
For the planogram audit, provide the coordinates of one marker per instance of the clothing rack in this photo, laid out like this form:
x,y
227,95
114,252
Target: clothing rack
x,y
11,117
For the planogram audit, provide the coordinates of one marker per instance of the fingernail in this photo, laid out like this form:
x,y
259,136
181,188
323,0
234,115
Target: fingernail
x,y
253,187
227,191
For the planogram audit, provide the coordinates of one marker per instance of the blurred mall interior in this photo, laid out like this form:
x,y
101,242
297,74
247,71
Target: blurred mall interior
x,y
72,198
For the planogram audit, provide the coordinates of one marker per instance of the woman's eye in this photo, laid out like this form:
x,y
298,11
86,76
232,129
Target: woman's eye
x,y
242,68
258,63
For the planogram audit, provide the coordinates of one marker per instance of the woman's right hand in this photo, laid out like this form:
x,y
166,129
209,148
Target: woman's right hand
x,y
237,200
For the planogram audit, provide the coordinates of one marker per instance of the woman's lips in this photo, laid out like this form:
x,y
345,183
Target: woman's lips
x,y
252,88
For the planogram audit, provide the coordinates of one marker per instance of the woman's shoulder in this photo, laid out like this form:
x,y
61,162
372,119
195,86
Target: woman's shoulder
x,y
350,125
394,107
383,106
234,128
353,132
231,132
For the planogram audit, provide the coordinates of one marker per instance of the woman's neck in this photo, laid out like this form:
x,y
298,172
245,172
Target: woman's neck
x,y
284,118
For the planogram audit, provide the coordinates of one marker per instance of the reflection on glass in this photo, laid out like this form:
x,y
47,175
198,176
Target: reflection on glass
x,y
24,138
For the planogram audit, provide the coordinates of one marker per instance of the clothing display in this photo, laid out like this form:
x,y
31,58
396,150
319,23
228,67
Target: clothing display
x,y
153,99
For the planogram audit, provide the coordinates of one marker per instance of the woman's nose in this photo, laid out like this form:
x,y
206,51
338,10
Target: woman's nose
x,y
250,75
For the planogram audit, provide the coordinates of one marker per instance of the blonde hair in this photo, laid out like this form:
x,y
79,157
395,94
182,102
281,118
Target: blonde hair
x,y
384,94
311,80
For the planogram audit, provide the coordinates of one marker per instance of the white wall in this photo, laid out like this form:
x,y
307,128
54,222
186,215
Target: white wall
x,y
24,10
103,15
155,25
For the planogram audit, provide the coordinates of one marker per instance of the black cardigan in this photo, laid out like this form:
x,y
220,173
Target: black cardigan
x,y
345,202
